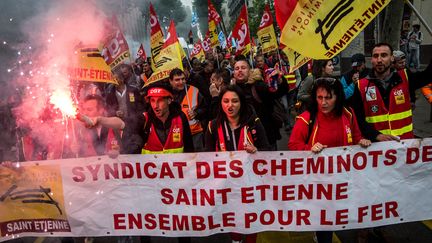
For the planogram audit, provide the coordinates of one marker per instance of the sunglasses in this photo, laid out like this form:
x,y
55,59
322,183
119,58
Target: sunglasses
x,y
323,80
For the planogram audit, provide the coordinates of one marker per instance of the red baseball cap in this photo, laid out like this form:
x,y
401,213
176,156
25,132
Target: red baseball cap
x,y
158,92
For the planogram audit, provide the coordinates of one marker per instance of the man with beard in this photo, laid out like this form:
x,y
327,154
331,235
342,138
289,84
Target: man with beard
x,y
381,100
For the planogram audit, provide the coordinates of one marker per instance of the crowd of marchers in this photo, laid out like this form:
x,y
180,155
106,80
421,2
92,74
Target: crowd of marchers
x,y
231,103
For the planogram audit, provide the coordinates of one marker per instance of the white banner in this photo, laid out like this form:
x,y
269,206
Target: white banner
x,y
200,194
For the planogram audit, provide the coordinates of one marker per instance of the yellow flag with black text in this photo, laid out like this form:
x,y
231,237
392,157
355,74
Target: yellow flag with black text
x,y
321,29
168,58
266,33
295,59
156,36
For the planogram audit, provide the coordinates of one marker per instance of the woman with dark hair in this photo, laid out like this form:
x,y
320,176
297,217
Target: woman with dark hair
x,y
326,123
320,68
236,126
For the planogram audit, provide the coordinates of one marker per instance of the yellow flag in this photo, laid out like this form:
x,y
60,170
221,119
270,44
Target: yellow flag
x,y
296,60
266,33
321,29
89,65
156,36
214,41
169,57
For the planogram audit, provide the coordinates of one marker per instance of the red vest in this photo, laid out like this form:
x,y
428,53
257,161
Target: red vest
x,y
244,135
290,77
397,119
173,144
111,143
192,98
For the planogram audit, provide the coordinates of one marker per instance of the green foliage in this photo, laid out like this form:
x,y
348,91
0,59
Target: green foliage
x,y
201,8
169,9
255,14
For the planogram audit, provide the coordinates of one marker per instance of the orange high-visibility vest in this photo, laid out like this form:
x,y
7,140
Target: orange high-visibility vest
x,y
427,92
192,97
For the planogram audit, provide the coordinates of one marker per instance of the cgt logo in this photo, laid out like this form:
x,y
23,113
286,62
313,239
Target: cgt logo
x,y
265,19
398,92
155,91
176,130
242,33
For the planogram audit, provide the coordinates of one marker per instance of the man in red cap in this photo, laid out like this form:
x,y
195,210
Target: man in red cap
x,y
164,128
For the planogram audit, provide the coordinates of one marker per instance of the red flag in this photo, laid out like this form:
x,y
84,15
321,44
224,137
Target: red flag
x,y
171,35
266,19
198,51
156,36
141,52
115,49
212,13
154,22
241,32
206,44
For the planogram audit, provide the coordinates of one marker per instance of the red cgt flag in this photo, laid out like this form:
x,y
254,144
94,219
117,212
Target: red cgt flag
x,y
212,13
141,52
241,32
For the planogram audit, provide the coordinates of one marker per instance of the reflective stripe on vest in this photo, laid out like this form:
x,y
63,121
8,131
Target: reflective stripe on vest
x,y
244,133
389,117
192,97
398,132
291,80
397,120
173,143
165,151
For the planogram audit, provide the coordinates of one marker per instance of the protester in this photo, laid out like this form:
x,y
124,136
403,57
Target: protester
x,y
349,80
399,63
259,96
326,123
98,135
320,68
130,77
164,128
381,101
236,127
415,38
123,100
293,79
218,81
193,105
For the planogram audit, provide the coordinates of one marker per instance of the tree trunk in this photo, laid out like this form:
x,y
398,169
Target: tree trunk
x,y
391,28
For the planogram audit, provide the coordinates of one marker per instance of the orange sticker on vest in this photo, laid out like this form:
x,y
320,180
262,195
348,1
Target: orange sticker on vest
x,y
131,97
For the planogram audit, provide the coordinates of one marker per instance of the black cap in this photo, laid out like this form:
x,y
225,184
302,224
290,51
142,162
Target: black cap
x,y
357,59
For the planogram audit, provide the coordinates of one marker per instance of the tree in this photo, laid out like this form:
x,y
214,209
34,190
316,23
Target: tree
x,y
201,8
169,9
391,27
255,13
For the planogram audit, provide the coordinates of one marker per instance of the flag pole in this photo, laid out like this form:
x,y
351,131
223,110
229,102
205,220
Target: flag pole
x,y
250,37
